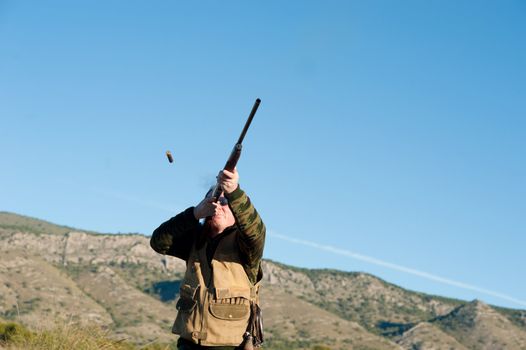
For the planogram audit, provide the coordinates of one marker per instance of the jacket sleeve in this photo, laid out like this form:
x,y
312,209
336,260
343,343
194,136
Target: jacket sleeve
x,y
251,237
176,236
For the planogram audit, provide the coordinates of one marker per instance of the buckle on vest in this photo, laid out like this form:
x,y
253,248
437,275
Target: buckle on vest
x,y
199,335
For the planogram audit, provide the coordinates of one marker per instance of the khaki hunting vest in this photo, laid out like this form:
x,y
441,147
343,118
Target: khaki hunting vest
x,y
214,304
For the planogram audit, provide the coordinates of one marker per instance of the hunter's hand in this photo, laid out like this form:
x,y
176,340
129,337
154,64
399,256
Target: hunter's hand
x,y
207,207
228,180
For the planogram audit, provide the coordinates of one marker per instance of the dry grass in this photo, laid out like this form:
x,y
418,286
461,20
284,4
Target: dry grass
x,y
64,336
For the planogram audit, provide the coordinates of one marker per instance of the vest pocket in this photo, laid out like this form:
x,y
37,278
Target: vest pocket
x,y
229,311
187,302
185,305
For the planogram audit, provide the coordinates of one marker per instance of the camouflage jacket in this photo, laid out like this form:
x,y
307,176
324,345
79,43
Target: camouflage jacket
x,y
177,236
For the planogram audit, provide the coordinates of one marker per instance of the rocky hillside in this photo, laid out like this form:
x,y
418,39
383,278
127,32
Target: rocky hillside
x,y
50,272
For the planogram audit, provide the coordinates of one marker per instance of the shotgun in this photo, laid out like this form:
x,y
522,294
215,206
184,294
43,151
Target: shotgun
x,y
236,151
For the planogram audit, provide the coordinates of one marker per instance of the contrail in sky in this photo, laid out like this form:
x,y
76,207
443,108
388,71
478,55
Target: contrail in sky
x,y
401,268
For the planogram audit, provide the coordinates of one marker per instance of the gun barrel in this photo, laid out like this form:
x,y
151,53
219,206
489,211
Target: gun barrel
x,y
236,152
250,117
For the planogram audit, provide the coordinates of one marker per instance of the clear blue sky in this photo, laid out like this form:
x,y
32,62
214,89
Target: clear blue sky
x,y
394,130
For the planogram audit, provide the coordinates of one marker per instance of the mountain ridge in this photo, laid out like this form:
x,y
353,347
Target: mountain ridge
x,y
105,274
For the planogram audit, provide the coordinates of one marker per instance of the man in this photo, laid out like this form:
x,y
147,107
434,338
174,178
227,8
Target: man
x,y
219,293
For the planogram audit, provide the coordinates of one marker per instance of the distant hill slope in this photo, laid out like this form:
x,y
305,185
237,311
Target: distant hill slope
x,y
49,271
21,223
426,336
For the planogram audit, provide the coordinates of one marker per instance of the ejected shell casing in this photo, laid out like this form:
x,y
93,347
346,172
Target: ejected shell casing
x,y
169,156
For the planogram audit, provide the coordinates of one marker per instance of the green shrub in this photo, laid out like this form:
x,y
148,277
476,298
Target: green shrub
x,y
12,331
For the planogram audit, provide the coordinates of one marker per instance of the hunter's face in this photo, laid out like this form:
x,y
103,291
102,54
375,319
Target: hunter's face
x,y
224,217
